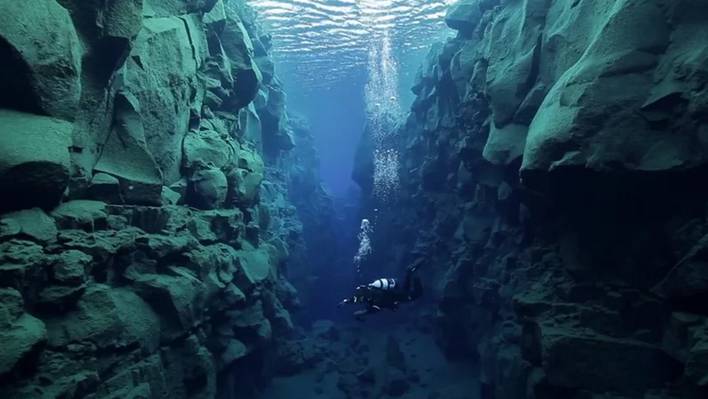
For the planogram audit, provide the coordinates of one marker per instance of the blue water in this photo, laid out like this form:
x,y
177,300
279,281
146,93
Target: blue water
x,y
346,64
322,53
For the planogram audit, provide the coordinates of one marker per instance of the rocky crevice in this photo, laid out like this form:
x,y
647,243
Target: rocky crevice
x,y
558,204
141,253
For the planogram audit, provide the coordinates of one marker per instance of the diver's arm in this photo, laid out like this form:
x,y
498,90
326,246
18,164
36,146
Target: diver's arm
x,y
346,301
353,300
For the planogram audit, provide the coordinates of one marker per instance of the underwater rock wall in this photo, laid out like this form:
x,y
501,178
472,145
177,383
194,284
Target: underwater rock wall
x,y
552,181
137,259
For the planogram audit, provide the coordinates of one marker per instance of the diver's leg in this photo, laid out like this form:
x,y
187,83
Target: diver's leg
x,y
353,300
359,314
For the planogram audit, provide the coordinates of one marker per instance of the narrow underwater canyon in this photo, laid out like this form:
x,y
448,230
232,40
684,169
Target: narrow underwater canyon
x,y
165,233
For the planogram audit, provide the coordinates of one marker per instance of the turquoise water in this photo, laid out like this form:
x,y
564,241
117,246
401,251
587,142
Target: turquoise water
x,y
323,54
443,199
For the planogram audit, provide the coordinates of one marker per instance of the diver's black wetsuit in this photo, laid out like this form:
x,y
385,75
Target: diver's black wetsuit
x,y
386,293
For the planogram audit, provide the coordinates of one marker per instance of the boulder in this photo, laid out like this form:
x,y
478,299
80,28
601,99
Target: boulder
x,y
254,265
126,156
41,55
104,187
207,149
274,122
207,189
123,18
464,16
591,119
58,298
82,214
234,350
22,263
226,224
245,181
514,65
22,339
238,46
244,187
161,74
180,187
102,244
159,246
505,145
201,230
216,18
71,267
462,66
109,318
218,259
34,160
179,297
279,316
267,68
32,224
253,320
116,22
170,196
11,307
233,295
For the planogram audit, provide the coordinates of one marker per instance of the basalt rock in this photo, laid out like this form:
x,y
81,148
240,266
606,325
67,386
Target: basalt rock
x,y
42,68
126,156
464,16
135,259
207,189
539,156
32,224
34,166
82,214
21,334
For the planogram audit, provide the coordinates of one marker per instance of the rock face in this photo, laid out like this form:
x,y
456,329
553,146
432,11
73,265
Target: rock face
x,y
137,259
34,167
42,68
551,173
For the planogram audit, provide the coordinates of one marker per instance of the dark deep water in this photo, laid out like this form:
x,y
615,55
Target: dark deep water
x,y
195,196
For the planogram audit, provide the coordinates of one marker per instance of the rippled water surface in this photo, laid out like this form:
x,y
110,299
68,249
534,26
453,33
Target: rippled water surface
x,y
346,64
325,41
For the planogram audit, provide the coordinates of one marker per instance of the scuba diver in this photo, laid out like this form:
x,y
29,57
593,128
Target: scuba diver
x,y
386,293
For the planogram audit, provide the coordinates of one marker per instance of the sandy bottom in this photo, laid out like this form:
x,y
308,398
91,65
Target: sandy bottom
x,y
435,377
